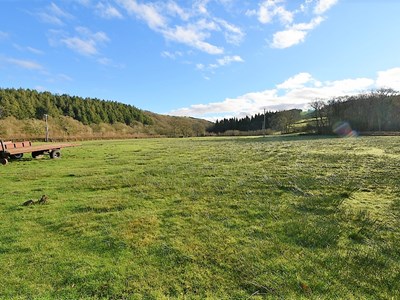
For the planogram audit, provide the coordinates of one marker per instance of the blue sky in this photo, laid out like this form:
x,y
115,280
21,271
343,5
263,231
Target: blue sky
x,y
203,58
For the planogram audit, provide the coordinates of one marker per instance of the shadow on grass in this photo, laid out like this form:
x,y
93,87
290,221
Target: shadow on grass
x,y
26,159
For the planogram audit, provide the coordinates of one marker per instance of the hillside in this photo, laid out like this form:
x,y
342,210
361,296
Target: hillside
x,y
22,114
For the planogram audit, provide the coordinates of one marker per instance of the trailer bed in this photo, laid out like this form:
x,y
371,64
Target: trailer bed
x,y
17,149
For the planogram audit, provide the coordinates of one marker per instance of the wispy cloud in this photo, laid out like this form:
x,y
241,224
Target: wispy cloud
x,y
174,9
192,27
200,6
171,55
323,6
147,12
54,15
226,60
64,77
295,92
29,49
233,34
193,36
35,51
85,42
25,64
291,33
3,35
269,9
107,11
110,63
220,62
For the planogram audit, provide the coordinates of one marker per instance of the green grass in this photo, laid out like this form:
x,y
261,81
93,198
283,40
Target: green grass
x,y
217,218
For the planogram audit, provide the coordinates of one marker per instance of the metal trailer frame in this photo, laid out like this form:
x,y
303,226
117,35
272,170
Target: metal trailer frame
x,y
16,150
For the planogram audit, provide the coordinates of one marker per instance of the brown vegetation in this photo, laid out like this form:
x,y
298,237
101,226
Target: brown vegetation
x,y
65,128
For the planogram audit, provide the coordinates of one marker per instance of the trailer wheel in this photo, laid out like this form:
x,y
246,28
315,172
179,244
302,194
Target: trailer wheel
x,y
36,154
3,161
17,156
55,154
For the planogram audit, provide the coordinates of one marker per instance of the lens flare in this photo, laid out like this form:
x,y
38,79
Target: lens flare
x,y
343,129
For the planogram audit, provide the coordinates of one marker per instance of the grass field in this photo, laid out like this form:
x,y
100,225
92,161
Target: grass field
x,y
215,218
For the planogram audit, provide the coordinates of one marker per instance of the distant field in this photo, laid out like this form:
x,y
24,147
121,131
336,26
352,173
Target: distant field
x,y
216,218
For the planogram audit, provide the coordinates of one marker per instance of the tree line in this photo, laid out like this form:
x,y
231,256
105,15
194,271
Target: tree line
x,y
31,104
377,110
281,121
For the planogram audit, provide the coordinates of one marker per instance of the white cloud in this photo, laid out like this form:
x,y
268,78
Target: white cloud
x,y
296,81
220,62
86,43
30,49
305,6
250,13
265,15
146,12
54,15
295,92
288,38
200,67
192,36
193,27
25,64
171,55
295,34
107,11
323,6
35,51
226,60
110,63
174,9
348,86
285,16
389,79
81,46
233,34
308,26
291,34
204,24
269,9
201,6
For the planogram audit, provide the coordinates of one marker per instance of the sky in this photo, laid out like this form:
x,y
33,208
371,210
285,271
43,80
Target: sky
x,y
207,59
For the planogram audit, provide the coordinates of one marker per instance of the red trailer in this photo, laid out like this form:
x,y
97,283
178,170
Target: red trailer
x,y
11,150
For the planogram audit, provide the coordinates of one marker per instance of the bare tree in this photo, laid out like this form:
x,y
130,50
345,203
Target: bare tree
x,y
320,115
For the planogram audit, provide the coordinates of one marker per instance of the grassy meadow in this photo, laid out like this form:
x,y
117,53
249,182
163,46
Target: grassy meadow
x,y
205,218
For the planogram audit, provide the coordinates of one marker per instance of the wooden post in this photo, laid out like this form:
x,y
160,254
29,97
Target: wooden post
x,y
47,128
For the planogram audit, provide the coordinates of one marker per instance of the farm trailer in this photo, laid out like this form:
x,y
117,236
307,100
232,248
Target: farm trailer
x,y
11,150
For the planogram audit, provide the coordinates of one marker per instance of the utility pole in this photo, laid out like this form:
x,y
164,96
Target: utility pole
x,y
47,127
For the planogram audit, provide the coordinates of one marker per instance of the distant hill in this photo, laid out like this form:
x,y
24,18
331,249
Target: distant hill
x,y
31,104
177,126
22,114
